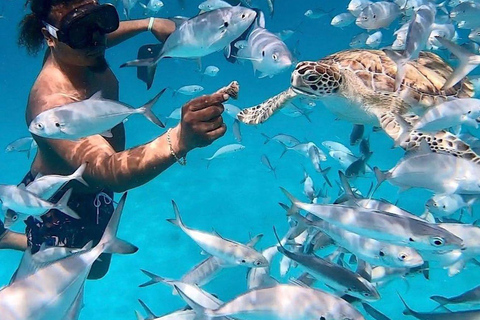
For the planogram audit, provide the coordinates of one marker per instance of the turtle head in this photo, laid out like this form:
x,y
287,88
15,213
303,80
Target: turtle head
x,y
316,79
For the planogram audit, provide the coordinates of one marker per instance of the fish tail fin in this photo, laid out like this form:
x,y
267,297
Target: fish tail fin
x,y
201,312
178,218
381,177
138,315
149,312
441,300
346,186
77,175
401,62
324,173
153,279
146,109
267,138
62,205
147,59
109,238
407,310
468,62
292,199
285,149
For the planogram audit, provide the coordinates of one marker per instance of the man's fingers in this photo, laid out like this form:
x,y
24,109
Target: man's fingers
x,y
214,124
207,114
207,100
217,133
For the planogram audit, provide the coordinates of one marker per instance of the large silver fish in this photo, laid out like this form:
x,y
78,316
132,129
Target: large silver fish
x,y
282,302
197,37
49,292
383,226
94,115
378,15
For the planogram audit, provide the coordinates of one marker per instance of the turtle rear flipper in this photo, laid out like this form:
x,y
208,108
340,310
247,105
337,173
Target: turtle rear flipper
x,y
261,113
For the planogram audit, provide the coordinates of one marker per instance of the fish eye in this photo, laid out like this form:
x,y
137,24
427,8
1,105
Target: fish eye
x,y
39,126
243,16
374,16
274,56
243,261
257,263
263,53
444,207
225,24
435,204
366,294
381,253
57,124
402,256
437,241
469,112
15,218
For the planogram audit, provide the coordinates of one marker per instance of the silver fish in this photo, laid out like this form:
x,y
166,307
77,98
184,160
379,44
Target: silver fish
x,y
383,226
470,297
418,32
342,20
378,15
226,250
281,303
94,115
210,5
48,296
200,36
450,114
267,52
26,144
236,130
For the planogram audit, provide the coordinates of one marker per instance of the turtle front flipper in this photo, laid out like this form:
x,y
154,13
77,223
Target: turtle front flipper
x,y
260,113
399,129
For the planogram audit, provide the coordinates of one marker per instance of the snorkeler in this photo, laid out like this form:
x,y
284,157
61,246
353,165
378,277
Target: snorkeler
x,y
77,33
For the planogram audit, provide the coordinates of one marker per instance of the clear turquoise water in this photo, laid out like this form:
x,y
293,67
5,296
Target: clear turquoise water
x,y
236,196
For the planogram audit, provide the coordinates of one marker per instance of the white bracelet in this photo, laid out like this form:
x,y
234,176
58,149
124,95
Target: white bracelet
x,y
150,23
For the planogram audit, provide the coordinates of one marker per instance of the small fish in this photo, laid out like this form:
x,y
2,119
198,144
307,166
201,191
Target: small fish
x,y
227,250
231,110
357,134
284,139
316,13
378,15
342,20
210,5
128,6
225,151
176,114
267,52
26,203
153,7
356,6
94,115
236,130
26,144
474,35
418,32
444,205
211,71
374,40
336,146
266,162
359,41
190,90
470,297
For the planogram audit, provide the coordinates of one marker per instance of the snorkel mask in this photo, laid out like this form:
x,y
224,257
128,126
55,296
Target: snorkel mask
x,y
77,28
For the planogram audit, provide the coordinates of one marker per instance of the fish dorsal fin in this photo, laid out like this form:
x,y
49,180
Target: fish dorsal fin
x,y
179,20
254,240
96,96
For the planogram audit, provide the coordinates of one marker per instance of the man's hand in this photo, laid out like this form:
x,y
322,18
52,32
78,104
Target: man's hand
x,y
201,123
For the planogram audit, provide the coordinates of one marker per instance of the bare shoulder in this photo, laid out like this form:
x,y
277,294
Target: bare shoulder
x,y
51,89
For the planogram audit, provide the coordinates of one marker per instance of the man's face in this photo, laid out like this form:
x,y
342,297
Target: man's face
x,y
80,37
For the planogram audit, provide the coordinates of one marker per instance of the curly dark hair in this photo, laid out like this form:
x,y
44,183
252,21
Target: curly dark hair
x,y
31,36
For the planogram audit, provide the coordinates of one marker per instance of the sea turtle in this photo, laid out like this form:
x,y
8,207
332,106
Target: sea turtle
x,y
359,86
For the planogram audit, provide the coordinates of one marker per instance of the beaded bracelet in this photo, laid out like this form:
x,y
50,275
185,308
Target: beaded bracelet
x,y
150,23
182,161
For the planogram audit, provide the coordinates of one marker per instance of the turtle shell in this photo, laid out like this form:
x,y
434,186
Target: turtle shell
x,y
423,80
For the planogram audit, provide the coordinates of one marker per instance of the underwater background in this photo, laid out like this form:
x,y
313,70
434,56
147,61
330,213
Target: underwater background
x,y
236,196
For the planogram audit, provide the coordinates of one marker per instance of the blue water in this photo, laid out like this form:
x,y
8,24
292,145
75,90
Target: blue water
x,y
236,196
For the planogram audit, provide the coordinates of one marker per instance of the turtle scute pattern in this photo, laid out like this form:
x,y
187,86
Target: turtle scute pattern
x,y
423,80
